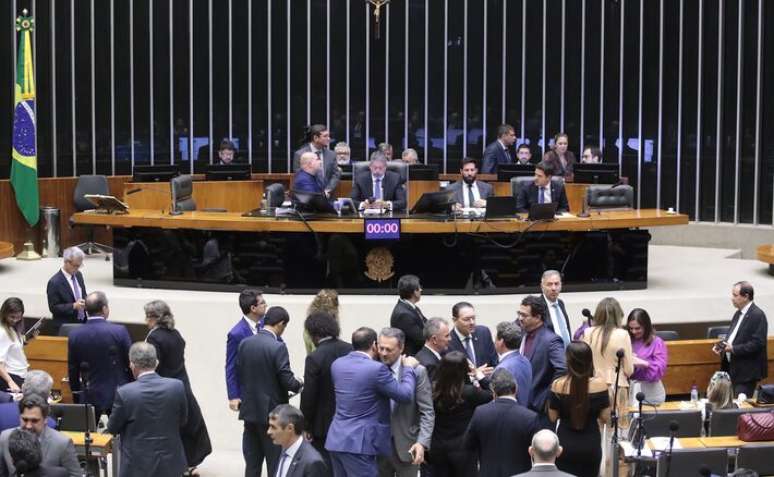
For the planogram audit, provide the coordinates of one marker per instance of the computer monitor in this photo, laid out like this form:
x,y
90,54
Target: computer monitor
x,y
155,173
599,173
228,172
310,202
506,171
434,202
423,172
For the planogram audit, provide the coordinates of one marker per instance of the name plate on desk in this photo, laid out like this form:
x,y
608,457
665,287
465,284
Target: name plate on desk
x,y
381,229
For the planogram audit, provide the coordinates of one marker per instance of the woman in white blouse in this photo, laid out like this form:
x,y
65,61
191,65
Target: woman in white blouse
x,y
13,362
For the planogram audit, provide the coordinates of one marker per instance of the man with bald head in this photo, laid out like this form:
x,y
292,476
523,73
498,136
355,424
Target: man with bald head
x,y
307,178
544,450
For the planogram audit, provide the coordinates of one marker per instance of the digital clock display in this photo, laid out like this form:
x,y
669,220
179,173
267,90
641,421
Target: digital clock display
x,y
382,229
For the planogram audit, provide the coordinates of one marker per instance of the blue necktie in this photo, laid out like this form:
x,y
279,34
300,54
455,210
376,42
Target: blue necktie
x,y
378,188
281,464
541,196
469,350
77,294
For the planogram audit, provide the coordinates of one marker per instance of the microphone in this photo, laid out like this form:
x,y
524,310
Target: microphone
x,y
673,428
620,354
640,397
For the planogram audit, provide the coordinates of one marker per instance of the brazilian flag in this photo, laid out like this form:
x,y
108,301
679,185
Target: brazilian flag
x,y
24,167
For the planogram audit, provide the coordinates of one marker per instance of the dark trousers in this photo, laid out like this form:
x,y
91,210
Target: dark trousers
x,y
747,387
452,463
16,379
353,465
257,446
319,445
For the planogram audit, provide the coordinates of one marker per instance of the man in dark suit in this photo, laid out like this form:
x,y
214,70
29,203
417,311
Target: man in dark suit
x,y
226,152
544,350
469,192
406,316
378,187
500,431
97,353
364,387
253,308
498,152
558,320
298,457
507,343
473,340
306,178
544,450
66,291
148,415
543,190
318,141
437,337
318,399
743,353
265,380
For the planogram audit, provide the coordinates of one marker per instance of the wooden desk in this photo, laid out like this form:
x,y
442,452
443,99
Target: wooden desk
x,y
766,255
49,353
234,196
676,406
99,441
6,249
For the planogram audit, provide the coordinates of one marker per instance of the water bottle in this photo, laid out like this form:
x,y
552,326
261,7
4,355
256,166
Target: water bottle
x,y
694,393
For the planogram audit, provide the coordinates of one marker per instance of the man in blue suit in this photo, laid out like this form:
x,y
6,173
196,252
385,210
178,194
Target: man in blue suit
x,y
507,342
360,430
98,353
498,152
473,340
543,348
253,309
66,291
307,178
543,190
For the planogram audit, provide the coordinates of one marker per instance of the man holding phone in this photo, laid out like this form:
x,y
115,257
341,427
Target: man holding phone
x,y
743,353
66,291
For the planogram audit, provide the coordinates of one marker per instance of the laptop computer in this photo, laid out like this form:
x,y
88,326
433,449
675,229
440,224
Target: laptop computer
x,y
545,211
500,207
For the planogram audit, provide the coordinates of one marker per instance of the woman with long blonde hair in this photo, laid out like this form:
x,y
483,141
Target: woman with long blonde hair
x,y
326,300
13,362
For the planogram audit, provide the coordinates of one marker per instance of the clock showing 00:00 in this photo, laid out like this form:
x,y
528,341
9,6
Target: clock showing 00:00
x,y
382,229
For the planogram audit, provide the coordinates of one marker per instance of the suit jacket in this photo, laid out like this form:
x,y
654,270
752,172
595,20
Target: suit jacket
x,y
364,388
545,471
429,360
552,158
56,449
105,347
550,324
318,399
170,350
548,363
500,432
148,415
521,370
392,189
483,346
411,321
61,298
306,182
413,421
307,462
749,359
47,471
529,196
330,173
264,371
494,154
460,189
240,331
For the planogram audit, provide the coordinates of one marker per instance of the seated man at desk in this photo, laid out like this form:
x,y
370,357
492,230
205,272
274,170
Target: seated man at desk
x,y
227,153
307,179
543,190
469,192
379,188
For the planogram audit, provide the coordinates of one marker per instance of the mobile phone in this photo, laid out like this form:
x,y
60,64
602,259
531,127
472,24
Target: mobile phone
x,y
36,326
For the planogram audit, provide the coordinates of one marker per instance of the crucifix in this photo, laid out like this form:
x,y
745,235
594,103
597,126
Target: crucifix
x,y
377,4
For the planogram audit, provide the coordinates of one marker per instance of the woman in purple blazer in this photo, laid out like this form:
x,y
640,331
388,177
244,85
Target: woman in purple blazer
x,y
650,358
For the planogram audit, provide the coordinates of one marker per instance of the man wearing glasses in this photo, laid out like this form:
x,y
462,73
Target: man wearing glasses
x,y
66,291
253,310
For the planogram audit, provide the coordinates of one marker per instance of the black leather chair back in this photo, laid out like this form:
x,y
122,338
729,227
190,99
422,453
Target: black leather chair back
x,y
182,192
520,182
657,424
756,457
668,335
89,184
605,197
275,195
398,166
688,462
714,331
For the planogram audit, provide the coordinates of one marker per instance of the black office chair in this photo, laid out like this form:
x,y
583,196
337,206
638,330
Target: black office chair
x,y
520,182
275,195
688,462
66,328
182,193
756,456
668,335
90,185
605,197
399,167
722,422
657,423
72,417
713,332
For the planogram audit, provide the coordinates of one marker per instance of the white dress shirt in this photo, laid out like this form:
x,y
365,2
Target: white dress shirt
x,y
732,336
70,282
291,453
252,324
12,353
466,195
546,194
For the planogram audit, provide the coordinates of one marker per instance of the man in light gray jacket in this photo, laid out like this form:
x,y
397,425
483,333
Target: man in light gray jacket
x,y
56,448
411,423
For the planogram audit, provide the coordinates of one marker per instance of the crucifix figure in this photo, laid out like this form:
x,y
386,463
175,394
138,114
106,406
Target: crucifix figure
x,y
377,4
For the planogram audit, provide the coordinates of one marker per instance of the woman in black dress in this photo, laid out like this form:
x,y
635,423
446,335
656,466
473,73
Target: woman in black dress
x,y
581,403
455,398
170,348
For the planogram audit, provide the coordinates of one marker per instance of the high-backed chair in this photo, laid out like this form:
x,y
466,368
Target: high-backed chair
x,y
756,456
722,422
520,182
358,167
606,197
182,193
688,462
715,331
399,167
657,424
668,335
66,328
90,185
72,417
275,195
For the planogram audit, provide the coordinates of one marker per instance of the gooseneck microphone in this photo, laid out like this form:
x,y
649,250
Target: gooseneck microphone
x,y
673,428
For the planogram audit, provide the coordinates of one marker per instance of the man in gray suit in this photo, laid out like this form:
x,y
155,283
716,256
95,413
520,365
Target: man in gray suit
x,y
57,449
148,414
544,450
298,457
469,192
318,138
411,423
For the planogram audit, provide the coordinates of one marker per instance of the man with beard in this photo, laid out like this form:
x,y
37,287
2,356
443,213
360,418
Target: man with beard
x,y
469,192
